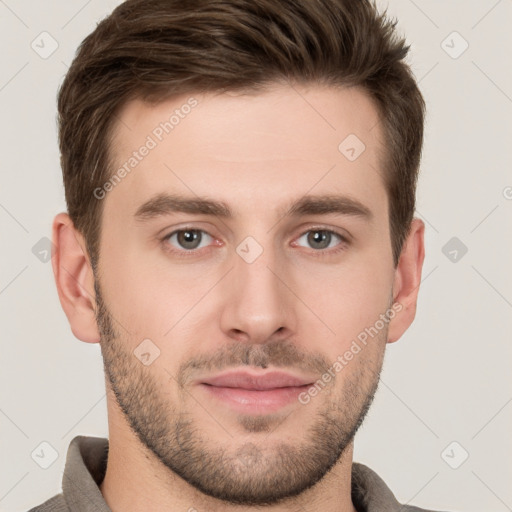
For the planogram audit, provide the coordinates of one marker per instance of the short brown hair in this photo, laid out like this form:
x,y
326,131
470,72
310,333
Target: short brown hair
x,y
154,49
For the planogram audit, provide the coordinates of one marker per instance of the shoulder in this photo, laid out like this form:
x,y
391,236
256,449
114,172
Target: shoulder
x,y
55,504
371,494
410,508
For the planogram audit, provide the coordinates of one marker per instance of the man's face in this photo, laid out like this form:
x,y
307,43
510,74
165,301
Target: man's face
x,y
259,291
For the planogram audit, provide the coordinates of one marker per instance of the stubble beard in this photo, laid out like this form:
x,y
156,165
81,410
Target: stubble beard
x,y
261,471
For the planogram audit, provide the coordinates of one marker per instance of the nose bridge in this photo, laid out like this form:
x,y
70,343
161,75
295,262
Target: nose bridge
x,y
257,303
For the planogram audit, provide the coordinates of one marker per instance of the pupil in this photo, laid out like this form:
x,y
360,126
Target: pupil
x,y
189,236
320,237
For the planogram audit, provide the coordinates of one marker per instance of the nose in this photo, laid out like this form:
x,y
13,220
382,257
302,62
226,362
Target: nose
x,y
258,305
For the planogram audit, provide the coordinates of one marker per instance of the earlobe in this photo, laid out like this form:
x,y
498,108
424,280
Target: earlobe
x,y
74,279
407,280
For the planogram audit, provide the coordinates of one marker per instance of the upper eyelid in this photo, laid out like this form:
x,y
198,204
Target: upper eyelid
x,y
344,237
317,227
174,232
329,230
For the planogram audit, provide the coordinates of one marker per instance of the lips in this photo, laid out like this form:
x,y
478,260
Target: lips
x,y
254,393
256,382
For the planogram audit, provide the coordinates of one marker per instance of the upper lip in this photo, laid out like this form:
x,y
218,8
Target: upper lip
x,y
259,382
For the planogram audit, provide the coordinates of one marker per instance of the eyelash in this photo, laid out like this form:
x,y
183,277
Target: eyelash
x,y
316,253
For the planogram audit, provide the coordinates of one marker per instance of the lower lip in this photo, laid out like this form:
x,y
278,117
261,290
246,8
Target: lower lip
x,y
253,401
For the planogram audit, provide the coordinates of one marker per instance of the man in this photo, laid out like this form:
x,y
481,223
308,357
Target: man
x,y
240,180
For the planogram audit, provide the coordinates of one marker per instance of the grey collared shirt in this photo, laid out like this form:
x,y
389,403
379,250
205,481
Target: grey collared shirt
x,y
86,463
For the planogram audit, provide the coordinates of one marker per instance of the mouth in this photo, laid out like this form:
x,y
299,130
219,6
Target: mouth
x,y
252,393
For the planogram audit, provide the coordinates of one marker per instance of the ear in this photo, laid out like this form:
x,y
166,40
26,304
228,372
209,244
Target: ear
x,y
407,281
74,279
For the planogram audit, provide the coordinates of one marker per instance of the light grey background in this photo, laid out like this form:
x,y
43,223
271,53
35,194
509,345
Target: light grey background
x,y
448,379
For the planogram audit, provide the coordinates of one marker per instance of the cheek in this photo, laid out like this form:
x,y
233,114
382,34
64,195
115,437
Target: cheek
x,y
348,301
161,301
137,298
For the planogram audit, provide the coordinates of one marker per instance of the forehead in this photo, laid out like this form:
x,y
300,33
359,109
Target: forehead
x,y
250,147
329,112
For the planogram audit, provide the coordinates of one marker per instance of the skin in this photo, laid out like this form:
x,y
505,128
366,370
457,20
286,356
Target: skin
x,y
296,307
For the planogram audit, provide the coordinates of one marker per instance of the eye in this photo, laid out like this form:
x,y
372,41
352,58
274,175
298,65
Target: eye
x,y
320,239
187,239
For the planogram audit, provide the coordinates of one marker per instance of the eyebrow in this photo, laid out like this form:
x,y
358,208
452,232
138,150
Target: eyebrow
x,y
166,204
